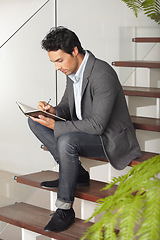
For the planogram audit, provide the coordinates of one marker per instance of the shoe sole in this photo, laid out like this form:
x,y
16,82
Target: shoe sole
x,y
61,229
78,185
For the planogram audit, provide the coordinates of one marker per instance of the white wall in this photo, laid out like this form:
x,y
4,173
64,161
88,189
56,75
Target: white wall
x,y
100,26
26,75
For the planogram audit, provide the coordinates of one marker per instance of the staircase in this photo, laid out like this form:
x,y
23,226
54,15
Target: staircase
x,y
34,218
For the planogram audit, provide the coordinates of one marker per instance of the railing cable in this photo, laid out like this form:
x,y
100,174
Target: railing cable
x,y
24,24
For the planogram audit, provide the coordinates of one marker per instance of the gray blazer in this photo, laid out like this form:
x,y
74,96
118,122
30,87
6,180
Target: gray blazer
x,y
104,113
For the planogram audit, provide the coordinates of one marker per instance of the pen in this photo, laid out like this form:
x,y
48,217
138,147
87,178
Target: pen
x,y
49,101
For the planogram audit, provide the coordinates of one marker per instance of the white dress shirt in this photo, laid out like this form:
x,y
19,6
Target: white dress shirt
x,y
77,79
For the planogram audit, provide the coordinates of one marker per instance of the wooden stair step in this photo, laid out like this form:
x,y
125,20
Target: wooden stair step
x,y
141,91
141,64
34,219
90,193
146,39
145,157
145,123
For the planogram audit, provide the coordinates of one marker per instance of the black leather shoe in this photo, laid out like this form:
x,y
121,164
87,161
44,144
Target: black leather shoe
x,y
61,220
83,180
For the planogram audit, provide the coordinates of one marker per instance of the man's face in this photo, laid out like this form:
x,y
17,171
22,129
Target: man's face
x,y
65,62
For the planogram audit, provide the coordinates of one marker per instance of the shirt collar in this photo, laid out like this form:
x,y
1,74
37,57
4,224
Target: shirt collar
x,y
75,77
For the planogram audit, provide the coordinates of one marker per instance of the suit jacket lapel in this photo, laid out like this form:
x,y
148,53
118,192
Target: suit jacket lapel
x,y
87,71
71,98
86,75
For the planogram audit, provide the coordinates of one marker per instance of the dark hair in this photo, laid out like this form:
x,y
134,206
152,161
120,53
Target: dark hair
x,y
61,38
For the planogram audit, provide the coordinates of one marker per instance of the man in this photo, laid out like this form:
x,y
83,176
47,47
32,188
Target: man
x,y
97,121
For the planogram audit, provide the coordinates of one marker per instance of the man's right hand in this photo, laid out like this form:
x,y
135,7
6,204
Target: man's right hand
x,y
46,107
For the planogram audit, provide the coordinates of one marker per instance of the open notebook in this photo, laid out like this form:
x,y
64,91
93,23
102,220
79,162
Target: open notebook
x,y
30,111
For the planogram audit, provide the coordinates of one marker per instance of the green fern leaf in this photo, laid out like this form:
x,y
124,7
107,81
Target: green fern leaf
x,y
151,215
115,180
134,5
104,206
150,7
138,191
94,232
109,226
131,214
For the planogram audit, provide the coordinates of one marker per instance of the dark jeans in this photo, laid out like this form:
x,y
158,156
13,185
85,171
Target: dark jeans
x,y
66,151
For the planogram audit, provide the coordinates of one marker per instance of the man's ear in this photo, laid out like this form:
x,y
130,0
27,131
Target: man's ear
x,y
75,51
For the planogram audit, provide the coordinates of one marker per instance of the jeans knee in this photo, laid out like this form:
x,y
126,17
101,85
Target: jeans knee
x,y
66,144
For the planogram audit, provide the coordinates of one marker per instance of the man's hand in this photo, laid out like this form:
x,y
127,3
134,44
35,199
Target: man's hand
x,y
46,107
47,122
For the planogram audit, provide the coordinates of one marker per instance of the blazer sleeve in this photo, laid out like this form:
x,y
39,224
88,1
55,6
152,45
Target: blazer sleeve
x,y
97,107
